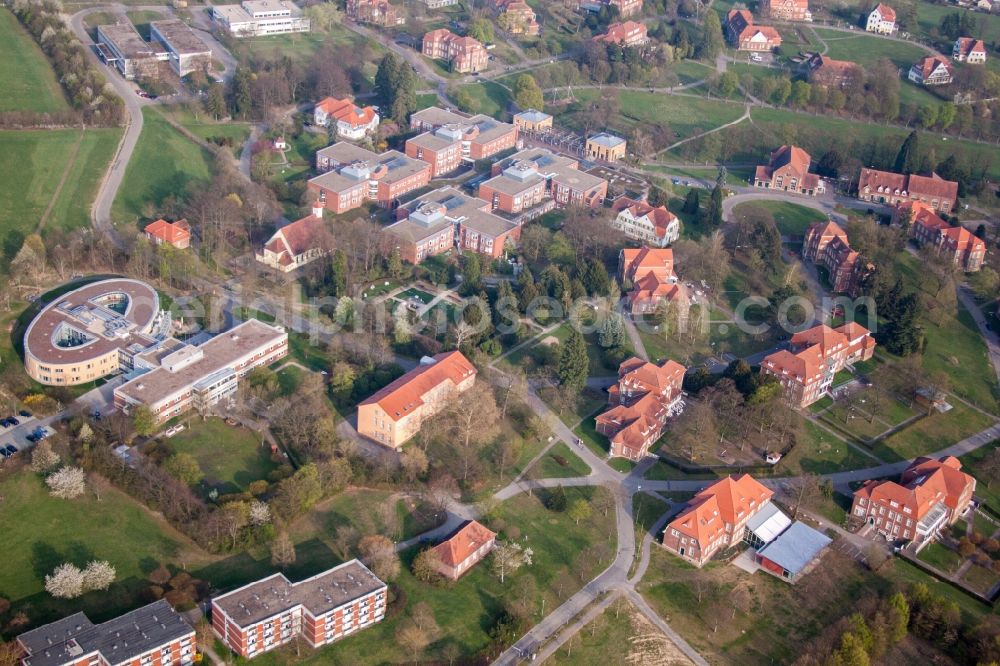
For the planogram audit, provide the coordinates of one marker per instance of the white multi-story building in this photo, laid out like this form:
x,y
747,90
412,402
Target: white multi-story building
x,y
881,20
253,18
657,226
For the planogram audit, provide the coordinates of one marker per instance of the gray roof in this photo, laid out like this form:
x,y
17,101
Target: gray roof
x,y
511,186
435,115
180,37
533,116
319,595
345,153
768,523
488,224
126,39
795,548
605,139
118,640
432,141
471,212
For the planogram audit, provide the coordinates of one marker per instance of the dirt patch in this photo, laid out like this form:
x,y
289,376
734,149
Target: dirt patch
x,y
549,341
648,646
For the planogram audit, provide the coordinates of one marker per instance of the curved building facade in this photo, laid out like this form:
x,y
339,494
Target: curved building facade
x,y
93,331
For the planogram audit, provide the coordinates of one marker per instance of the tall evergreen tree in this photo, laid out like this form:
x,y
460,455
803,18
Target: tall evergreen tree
x,y
692,202
712,41
240,97
713,214
395,85
338,274
908,158
595,277
573,361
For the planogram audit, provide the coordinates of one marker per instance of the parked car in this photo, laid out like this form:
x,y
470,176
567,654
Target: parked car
x,y
26,414
11,449
4,453
13,420
31,438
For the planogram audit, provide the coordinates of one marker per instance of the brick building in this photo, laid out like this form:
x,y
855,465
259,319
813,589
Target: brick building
x,y
465,54
807,368
152,635
631,34
931,494
715,518
446,218
889,188
788,170
650,271
786,10
354,176
532,182
644,398
966,250
377,12
605,147
532,120
297,243
746,36
824,71
447,147
464,549
826,244
517,17
395,413
273,611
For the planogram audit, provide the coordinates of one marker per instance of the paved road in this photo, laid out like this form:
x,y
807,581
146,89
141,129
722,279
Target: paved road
x,y
991,338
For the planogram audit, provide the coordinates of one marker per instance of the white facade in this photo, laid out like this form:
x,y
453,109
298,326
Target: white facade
x,y
255,18
879,24
642,228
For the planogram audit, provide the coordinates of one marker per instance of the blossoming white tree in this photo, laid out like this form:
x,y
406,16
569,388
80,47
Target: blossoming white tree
x,y
67,483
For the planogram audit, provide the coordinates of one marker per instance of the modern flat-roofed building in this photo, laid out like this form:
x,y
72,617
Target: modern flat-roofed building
x,y
444,219
92,332
254,18
447,147
177,376
381,178
153,634
187,53
434,116
532,182
889,188
122,46
273,611
394,414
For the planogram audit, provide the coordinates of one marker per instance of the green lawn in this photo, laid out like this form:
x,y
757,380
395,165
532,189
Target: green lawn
x,y
957,349
866,49
684,115
564,559
980,578
489,97
229,457
987,488
560,461
141,18
34,163
820,452
26,78
204,127
932,433
165,163
40,532
792,219
940,557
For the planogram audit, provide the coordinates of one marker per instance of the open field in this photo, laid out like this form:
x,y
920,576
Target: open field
x,y
940,557
820,452
26,78
932,433
560,461
620,636
35,162
792,219
41,532
465,612
489,98
205,128
230,457
164,164
866,49
685,115
987,486
957,349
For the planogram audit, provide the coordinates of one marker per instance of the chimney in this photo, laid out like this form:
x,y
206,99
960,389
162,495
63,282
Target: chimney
x,y
319,204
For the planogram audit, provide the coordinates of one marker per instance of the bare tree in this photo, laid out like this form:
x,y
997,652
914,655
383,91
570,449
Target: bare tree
x,y
379,555
807,490
282,551
473,418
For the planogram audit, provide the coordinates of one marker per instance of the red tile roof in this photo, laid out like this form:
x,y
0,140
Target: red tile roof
x,y
473,536
660,217
933,186
296,238
725,502
886,12
922,485
623,33
169,232
347,111
928,64
969,45
400,398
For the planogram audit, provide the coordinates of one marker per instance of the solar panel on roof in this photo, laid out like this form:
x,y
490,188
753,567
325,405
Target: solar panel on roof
x,y
452,202
543,160
396,162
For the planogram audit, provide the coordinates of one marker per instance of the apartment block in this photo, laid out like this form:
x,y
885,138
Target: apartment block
x,y
366,176
966,250
257,18
889,188
522,184
273,611
447,147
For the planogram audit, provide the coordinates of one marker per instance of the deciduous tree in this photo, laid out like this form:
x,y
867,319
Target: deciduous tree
x,y
67,483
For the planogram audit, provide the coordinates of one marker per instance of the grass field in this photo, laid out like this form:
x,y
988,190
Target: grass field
x,y
490,98
204,127
820,452
164,164
986,487
229,457
684,115
958,350
866,49
41,532
940,557
559,462
26,78
465,611
34,163
792,219
932,433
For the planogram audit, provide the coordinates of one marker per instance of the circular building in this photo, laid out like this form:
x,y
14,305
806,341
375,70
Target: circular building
x,y
93,331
